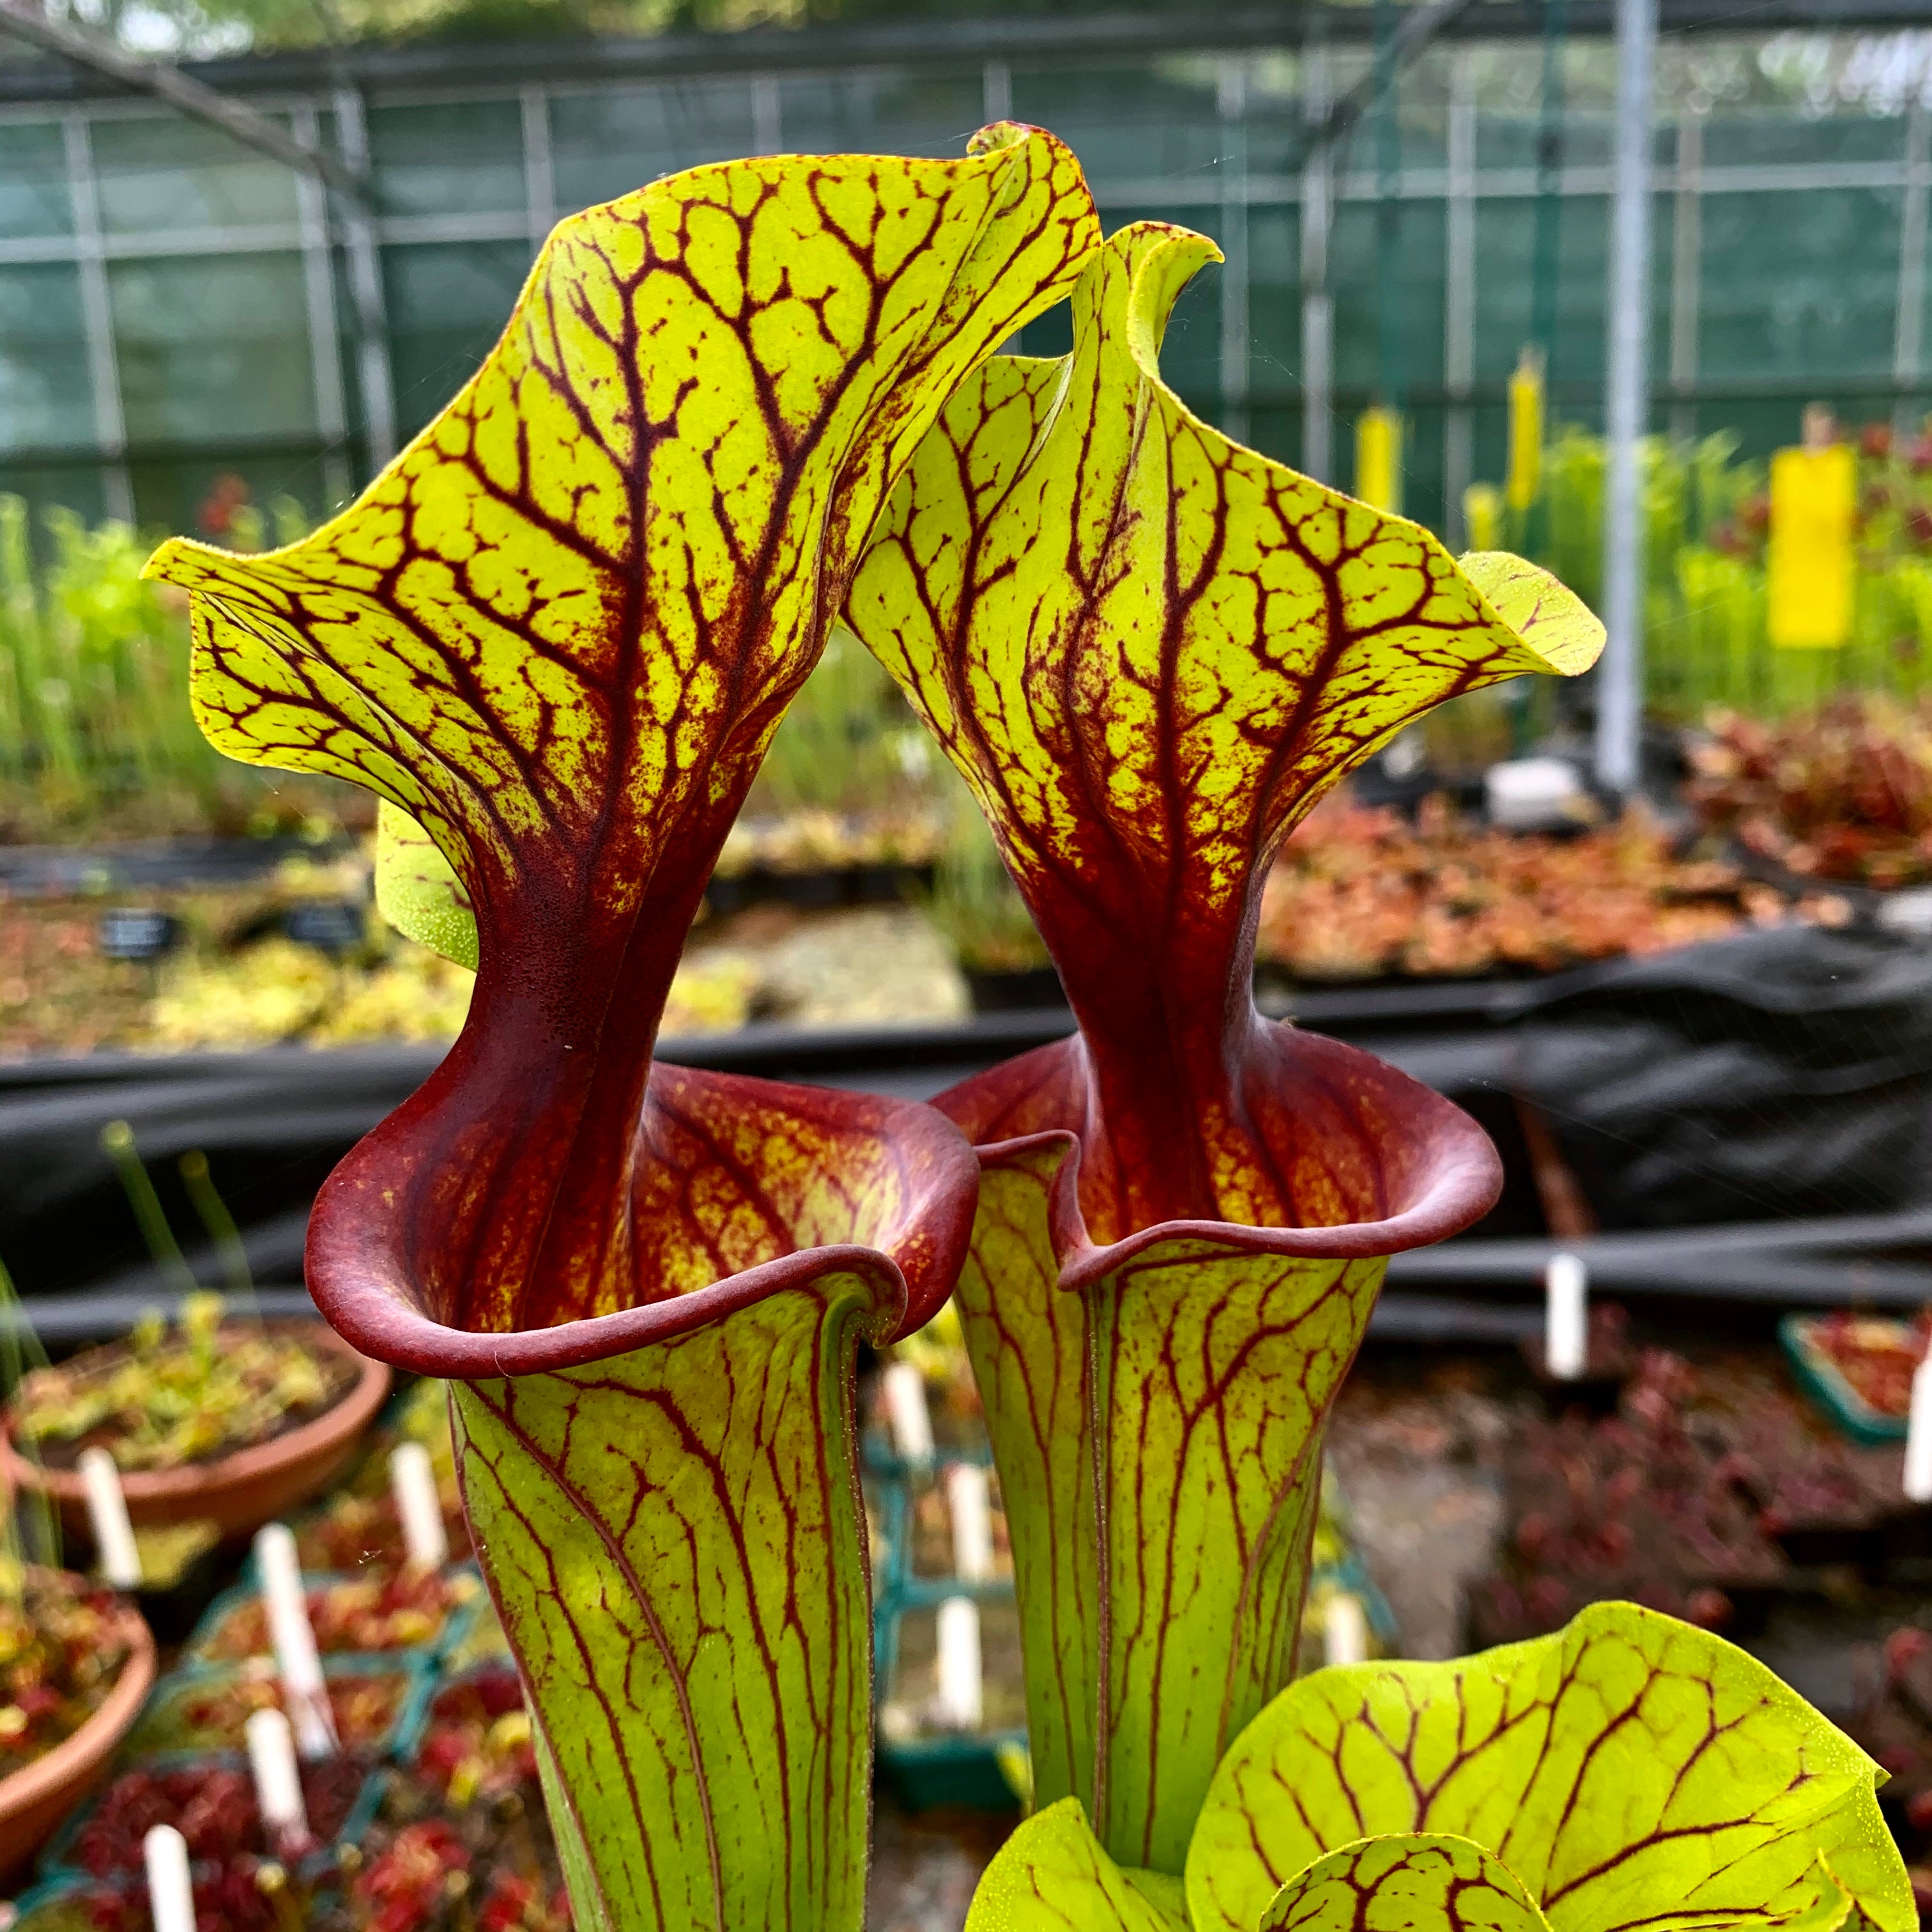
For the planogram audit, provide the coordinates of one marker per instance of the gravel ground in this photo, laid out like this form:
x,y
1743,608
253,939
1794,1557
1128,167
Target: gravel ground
x,y
1417,1455
924,1866
858,967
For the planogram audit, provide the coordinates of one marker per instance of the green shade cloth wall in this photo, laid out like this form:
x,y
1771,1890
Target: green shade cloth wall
x,y
175,308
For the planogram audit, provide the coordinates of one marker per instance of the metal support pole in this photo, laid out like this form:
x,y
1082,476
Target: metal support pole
x,y
1419,25
1459,297
365,289
1686,256
1388,219
1231,95
539,172
1318,307
996,87
1626,396
1546,259
190,96
318,305
96,314
767,134
1909,326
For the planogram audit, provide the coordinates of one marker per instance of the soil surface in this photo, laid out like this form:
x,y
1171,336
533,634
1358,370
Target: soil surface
x,y
924,1866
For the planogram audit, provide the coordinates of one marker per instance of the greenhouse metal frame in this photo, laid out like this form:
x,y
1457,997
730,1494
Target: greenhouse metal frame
x,y
130,239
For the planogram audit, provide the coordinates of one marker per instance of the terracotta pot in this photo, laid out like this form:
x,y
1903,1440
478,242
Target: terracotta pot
x,y
239,1491
36,1798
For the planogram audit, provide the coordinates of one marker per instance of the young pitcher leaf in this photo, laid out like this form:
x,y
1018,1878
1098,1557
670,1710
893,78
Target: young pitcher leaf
x,y
1149,650
417,890
1420,1881
558,630
1053,1875
1631,1771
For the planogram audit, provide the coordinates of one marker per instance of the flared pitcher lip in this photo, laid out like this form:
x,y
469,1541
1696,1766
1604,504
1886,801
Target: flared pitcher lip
x,y
354,1262
1461,1184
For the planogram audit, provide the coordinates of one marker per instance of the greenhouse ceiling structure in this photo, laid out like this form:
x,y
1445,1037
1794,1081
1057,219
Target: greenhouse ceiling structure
x,y
178,311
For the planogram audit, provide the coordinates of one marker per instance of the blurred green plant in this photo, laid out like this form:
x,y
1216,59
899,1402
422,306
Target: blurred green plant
x,y
974,902
92,665
848,744
95,732
30,1530
1705,513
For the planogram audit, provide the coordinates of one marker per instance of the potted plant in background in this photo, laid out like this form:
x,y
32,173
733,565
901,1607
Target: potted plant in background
x,y
76,1662
226,1421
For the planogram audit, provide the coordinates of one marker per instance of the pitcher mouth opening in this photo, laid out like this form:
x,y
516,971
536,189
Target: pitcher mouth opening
x,y
907,1249
1434,1172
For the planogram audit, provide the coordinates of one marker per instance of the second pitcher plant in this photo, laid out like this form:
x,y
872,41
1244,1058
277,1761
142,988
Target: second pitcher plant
x,y
1150,650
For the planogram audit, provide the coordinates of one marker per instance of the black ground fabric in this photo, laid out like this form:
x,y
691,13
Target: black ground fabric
x,y
1784,1074
1749,1119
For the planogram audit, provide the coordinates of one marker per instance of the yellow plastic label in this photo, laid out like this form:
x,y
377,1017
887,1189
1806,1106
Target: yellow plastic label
x,y
1809,574
1483,516
1378,459
1526,434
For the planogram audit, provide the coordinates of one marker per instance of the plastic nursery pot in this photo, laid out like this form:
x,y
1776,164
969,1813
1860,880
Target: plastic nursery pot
x,y
1803,1338
926,1765
378,1703
1905,1539
1747,1604
233,1629
1858,1542
1610,1362
1597,1391
172,1606
927,1774
36,1798
241,1491
821,887
341,1795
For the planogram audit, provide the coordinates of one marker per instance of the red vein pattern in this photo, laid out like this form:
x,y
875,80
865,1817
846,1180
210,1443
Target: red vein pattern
x,y
1419,1882
1157,1409
557,633
673,1544
1148,650
560,629
1635,1774
665,1499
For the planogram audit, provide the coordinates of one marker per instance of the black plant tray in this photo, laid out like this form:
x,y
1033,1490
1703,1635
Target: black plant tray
x,y
59,871
1030,989
1833,1543
819,890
